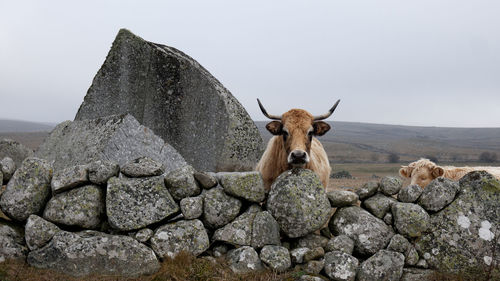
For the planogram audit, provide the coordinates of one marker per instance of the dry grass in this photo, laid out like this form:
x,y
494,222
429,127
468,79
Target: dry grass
x,y
184,267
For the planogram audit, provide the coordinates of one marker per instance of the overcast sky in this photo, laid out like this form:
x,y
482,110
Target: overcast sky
x,y
430,63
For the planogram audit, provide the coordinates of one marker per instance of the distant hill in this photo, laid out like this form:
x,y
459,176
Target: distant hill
x,y
17,126
364,142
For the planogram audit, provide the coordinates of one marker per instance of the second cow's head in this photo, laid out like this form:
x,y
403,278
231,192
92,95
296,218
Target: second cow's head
x,y
297,128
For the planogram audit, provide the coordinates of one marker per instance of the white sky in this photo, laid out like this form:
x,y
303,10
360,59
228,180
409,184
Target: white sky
x,y
431,63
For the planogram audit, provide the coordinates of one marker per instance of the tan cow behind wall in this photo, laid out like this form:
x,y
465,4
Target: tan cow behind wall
x,y
423,171
294,145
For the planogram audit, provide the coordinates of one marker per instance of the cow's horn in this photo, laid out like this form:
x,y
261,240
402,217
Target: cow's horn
x,y
274,117
324,116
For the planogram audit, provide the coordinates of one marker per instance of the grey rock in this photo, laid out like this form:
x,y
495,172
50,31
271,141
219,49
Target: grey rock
x,y
438,194
220,250
340,266
116,138
399,244
1,177
254,208
298,254
311,241
8,168
342,198
314,267
367,190
244,260
134,203
384,265
422,263
388,219
68,178
101,171
306,277
276,257
379,205
192,207
340,243
410,219
144,235
390,185
181,183
411,256
28,190
314,254
265,230
298,202
172,94
82,206
417,274
38,232
11,243
369,233
206,180
189,236
142,167
238,232
246,185
14,150
218,208
410,193
95,253
462,236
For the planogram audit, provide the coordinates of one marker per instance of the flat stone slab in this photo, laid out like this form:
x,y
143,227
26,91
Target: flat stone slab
x,y
171,93
116,138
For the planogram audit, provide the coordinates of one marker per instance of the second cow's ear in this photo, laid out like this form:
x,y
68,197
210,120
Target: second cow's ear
x,y
320,128
275,127
405,171
437,172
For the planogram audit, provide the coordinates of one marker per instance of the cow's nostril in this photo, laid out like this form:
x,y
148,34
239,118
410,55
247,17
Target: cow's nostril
x,y
297,154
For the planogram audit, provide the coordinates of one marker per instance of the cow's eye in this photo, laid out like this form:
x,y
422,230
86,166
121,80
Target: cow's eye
x,y
285,135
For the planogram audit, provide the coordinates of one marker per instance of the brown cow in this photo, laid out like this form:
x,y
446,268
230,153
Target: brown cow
x,y
293,144
423,171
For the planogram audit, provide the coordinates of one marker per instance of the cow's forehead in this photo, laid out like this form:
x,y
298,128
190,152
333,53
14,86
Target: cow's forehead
x,y
297,118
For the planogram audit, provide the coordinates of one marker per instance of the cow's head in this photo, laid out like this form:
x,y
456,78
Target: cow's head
x,y
297,127
421,172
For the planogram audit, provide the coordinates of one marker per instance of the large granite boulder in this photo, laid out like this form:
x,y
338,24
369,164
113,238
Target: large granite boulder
x,y
117,138
298,202
28,190
464,235
370,234
15,150
168,91
91,252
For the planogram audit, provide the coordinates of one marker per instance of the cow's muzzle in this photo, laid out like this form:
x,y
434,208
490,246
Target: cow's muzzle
x,y
298,158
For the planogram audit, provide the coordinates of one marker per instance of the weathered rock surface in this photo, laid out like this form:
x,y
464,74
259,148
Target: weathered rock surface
x,y
156,82
314,254
298,202
91,252
28,190
8,167
83,206
116,138
265,230
206,180
276,257
142,167
314,267
185,235
390,185
181,183
398,244
11,243
462,236
143,235
101,171
342,198
367,190
439,193
369,233
298,254
379,205
247,185
192,207
69,178
218,208
244,259
340,266
410,193
384,265
311,241
416,274
14,150
138,202
340,243
238,232
410,219
38,232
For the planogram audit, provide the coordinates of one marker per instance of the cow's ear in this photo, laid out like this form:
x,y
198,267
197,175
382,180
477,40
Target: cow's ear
x,y
437,172
275,127
320,128
405,171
